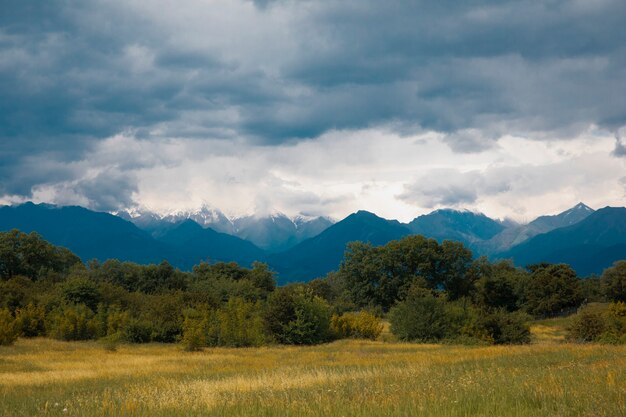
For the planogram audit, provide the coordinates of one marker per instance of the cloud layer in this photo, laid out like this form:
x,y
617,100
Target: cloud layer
x,y
104,101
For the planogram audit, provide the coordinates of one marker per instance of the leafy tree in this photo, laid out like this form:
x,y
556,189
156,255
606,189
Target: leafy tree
x,y
420,317
614,281
31,320
31,256
79,289
295,316
503,327
552,290
16,292
498,286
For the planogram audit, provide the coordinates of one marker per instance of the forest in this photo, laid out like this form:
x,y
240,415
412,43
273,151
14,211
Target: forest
x,y
426,291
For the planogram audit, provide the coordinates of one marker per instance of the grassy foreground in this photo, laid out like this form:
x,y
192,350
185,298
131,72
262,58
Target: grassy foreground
x,y
346,378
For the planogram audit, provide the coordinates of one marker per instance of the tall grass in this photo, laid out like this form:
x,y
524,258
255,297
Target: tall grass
x,y
347,378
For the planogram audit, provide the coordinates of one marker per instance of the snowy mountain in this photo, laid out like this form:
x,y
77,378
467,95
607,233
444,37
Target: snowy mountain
x,y
513,236
274,232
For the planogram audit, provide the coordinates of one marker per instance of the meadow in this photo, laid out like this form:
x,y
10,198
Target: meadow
x,y
345,378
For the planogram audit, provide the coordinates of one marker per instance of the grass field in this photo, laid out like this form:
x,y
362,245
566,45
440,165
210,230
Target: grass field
x,y
346,378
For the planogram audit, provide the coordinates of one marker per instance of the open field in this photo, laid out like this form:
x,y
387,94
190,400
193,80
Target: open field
x,y
346,378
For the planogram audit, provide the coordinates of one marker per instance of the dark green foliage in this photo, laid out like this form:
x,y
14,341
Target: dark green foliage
x,y
614,282
434,292
551,290
382,275
16,292
420,317
499,285
79,289
505,328
138,331
295,316
31,256
9,329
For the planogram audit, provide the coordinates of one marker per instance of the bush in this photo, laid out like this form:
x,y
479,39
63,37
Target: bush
x,y
31,320
72,322
587,326
138,331
361,325
240,324
295,316
505,328
420,317
9,330
195,329
552,290
614,281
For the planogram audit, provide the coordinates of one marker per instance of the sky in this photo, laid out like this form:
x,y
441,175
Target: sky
x,y
324,107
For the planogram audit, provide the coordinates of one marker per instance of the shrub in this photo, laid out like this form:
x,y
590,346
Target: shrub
x,y
587,326
138,331
240,324
614,281
505,328
31,320
195,329
72,322
9,330
552,290
362,325
295,316
420,317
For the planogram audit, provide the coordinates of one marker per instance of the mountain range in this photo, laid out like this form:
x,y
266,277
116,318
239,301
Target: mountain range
x,y
302,248
273,233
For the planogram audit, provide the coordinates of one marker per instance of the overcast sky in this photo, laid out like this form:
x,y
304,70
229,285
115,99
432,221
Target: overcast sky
x,y
512,108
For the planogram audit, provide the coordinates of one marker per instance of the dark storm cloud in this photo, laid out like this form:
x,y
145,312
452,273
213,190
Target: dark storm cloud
x,y
73,73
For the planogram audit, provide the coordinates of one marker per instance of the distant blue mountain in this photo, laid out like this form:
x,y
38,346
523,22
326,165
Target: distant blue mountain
x,y
197,244
589,241
462,226
589,246
95,235
517,234
89,234
317,256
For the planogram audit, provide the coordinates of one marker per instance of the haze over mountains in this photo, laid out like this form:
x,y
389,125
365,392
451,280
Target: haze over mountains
x,y
303,248
273,233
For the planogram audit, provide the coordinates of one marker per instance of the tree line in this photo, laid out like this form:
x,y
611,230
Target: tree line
x,y
427,291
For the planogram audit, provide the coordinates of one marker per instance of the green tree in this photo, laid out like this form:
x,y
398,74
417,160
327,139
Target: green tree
x,y
552,290
294,315
420,317
614,281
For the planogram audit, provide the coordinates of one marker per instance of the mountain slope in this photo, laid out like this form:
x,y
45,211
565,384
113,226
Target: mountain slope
x,y
588,246
462,226
89,234
516,235
278,232
321,254
200,244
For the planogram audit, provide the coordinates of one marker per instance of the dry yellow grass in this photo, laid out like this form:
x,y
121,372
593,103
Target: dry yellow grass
x,y
346,378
